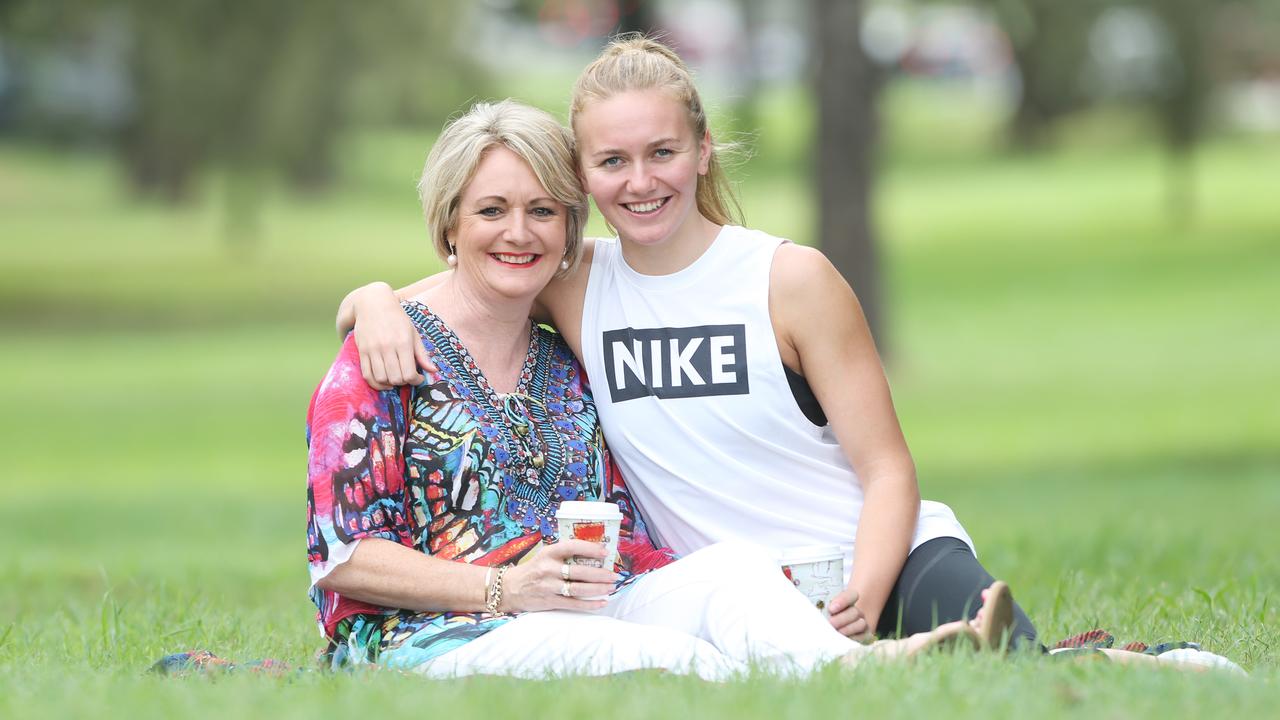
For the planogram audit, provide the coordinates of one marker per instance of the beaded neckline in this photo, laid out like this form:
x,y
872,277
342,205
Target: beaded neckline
x,y
536,465
474,374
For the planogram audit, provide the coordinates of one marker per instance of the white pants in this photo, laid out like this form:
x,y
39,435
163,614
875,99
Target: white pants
x,y
712,613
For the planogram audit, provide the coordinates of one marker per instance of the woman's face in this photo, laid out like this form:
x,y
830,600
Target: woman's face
x,y
510,234
641,162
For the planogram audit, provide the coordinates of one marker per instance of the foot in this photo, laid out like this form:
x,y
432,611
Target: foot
x,y
990,630
994,622
951,635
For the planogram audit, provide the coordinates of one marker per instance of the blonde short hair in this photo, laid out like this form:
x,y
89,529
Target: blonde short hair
x,y
533,135
632,61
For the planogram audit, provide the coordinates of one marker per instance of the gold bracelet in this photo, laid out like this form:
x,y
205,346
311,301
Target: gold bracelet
x,y
495,592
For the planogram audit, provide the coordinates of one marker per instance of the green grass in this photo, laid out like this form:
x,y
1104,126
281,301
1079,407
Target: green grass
x,y
1090,386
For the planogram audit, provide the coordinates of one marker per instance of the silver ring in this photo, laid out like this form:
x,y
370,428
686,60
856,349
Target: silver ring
x,y
564,589
564,571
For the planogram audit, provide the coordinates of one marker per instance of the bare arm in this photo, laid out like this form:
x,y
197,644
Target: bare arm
x,y
346,321
391,350
389,574
823,334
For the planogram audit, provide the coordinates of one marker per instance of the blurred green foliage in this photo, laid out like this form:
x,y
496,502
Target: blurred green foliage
x,y
1091,389
1089,385
258,89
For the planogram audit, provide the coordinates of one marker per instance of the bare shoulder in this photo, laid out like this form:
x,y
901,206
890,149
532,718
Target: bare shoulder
x,y
803,280
807,297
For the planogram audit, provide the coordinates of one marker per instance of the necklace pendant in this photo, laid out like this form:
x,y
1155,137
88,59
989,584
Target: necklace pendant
x,y
539,461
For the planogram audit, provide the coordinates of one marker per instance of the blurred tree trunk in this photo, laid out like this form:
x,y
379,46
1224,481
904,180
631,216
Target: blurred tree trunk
x,y
1049,41
746,112
847,86
264,90
637,16
1181,106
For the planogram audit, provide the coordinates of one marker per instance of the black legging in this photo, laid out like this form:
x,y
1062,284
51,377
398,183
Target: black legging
x,y
941,582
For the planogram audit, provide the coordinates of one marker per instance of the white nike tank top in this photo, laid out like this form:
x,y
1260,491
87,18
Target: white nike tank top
x,y
698,413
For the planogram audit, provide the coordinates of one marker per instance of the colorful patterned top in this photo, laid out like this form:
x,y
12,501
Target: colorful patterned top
x,y
456,470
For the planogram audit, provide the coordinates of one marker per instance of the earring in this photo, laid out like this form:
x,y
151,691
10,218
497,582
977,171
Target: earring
x,y
564,264
452,260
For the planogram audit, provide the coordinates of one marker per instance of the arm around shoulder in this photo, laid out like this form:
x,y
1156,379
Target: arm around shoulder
x,y
390,348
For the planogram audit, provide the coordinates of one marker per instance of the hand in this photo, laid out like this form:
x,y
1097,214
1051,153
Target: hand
x,y
539,583
847,617
391,350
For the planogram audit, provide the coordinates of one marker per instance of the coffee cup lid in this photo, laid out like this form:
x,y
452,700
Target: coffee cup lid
x,y
580,510
810,553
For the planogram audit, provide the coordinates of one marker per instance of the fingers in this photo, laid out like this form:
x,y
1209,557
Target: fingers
x,y
379,370
858,629
590,575
366,369
541,585
406,370
844,617
850,622
580,604
585,583
391,366
390,347
583,591
599,579
842,601
569,548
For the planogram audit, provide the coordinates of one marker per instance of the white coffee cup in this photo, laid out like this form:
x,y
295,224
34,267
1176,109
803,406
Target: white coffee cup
x,y
817,571
593,522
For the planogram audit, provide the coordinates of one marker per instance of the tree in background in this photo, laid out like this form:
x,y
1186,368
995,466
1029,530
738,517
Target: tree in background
x,y
1051,46
636,16
1181,104
258,89
846,88
1049,40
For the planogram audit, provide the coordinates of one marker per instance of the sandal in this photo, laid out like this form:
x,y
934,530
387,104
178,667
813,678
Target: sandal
x,y
1096,638
1137,646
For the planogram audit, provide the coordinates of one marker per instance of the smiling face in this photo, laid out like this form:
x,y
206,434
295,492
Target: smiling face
x,y
640,161
510,233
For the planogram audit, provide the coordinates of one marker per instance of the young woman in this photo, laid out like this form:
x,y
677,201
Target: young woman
x,y
737,382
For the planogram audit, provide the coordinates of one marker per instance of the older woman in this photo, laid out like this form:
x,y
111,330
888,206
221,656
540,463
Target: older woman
x,y
432,508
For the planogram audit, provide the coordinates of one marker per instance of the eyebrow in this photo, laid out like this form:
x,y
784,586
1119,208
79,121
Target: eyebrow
x,y
503,200
655,143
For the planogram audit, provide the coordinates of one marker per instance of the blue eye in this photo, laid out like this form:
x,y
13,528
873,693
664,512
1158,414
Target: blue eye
x,y
663,153
613,161
489,212
543,212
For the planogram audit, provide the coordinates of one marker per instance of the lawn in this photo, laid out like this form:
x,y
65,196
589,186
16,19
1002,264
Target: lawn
x,y
1091,387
